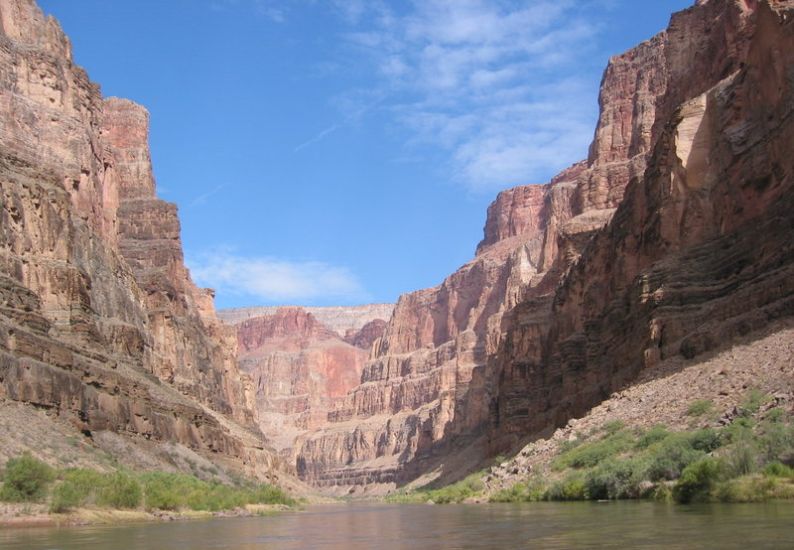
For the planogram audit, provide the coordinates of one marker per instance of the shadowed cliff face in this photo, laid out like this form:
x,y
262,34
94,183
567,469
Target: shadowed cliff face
x,y
566,299
698,253
99,321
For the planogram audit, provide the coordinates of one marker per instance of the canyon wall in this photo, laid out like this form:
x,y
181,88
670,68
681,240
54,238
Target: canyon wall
x,y
698,253
648,248
344,320
300,369
100,324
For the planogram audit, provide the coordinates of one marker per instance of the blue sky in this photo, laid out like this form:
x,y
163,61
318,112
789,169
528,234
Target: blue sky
x,y
342,152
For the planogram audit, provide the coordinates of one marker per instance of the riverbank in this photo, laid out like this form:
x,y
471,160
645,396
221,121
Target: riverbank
x,y
24,516
33,493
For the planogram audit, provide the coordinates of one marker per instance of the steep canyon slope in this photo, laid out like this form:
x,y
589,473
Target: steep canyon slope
x,y
673,237
300,368
101,329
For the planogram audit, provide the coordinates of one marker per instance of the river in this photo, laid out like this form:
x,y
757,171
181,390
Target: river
x,y
624,525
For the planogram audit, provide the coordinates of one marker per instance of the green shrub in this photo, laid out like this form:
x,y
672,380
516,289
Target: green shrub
x,y
65,497
668,458
590,454
614,479
25,479
700,407
120,490
457,492
270,494
169,491
776,414
706,440
777,469
754,488
654,435
662,492
533,490
570,488
697,480
570,444
740,429
78,487
613,426
742,457
752,402
777,441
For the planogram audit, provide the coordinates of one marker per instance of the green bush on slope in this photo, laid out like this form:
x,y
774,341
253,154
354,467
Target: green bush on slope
x,y
25,479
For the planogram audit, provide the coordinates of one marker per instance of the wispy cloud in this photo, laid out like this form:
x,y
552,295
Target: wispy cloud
x,y
486,80
353,108
275,280
203,197
270,9
318,137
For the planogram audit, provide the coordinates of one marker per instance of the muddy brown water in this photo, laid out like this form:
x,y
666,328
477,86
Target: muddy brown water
x,y
622,525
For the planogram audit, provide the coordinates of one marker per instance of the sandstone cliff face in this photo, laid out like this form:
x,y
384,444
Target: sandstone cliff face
x,y
99,321
699,252
300,370
340,319
191,348
557,308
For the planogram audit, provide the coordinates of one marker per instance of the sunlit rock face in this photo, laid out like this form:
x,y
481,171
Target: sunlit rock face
x,y
99,320
300,369
346,321
647,248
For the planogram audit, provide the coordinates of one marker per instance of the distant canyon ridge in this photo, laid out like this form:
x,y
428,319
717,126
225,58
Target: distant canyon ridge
x,y
670,241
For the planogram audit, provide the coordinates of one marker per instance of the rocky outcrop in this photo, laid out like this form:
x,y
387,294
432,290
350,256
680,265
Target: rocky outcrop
x,y
366,335
191,349
645,249
99,321
340,319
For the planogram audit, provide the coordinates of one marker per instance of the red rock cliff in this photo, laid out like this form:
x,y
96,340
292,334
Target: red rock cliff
x,y
94,296
515,341
698,252
300,369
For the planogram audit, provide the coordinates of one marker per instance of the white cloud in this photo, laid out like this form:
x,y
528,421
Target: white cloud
x,y
317,137
275,280
488,81
203,197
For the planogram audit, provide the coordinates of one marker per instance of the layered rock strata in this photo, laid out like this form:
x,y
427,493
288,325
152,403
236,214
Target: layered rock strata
x,y
344,320
646,249
699,251
99,321
300,369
